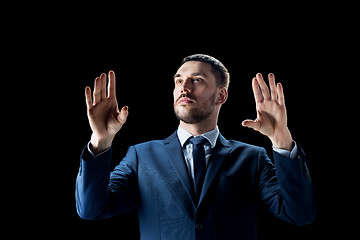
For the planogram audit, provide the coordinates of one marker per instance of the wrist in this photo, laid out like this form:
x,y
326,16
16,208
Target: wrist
x,y
98,144
283,140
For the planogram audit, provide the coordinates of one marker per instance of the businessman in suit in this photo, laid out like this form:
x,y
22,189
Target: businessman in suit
x,y
195,184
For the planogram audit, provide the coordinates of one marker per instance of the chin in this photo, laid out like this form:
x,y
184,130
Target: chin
x,y
182,111
191,115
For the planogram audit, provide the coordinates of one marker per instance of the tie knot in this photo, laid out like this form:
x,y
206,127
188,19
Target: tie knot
x,y
198,140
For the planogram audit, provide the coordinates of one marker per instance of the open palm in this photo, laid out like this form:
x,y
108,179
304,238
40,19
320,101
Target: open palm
x,y
271,111
103,113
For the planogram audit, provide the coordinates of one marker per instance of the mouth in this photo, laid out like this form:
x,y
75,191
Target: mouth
x,y
185,100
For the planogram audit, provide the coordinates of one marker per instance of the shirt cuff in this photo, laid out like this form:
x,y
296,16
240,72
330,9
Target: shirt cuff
x,y
89,149
290,154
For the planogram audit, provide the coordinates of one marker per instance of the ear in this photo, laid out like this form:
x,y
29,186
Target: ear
x,y
222,96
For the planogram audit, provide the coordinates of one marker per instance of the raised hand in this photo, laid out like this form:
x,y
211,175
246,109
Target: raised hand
x,y
271,118
103,113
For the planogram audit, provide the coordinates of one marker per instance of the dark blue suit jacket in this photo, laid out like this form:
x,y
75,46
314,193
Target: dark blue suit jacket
x,y
153,178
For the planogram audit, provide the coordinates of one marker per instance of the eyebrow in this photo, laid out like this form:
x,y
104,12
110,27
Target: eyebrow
x,y
193,74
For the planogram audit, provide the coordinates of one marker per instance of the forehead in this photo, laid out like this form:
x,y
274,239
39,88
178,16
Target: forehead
x,y
191,67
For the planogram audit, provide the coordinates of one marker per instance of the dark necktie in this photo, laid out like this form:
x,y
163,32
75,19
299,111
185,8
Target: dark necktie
x,y
199,163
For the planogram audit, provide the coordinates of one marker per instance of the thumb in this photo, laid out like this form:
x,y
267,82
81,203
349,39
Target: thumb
x,y
122,116
251,124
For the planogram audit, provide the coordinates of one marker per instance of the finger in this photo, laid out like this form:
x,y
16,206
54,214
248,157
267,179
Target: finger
x,y
112,85
280,93
251,124
257,93
103,86
122,117
272,85
264,88
88,99
97,88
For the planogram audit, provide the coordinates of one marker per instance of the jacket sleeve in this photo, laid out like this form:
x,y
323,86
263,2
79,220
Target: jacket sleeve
x,y
101,193
286,187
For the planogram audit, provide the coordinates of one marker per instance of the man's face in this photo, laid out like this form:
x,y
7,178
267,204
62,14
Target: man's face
x,y
195,92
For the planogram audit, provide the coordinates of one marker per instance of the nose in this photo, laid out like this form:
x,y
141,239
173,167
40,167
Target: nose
x,y
186,86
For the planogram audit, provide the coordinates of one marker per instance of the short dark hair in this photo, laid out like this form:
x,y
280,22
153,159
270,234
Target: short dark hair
x,y
222,75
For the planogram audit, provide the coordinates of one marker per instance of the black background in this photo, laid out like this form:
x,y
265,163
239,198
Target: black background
x,y
298,46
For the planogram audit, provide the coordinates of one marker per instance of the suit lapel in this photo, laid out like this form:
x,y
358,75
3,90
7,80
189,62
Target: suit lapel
x,y
175,154
218,156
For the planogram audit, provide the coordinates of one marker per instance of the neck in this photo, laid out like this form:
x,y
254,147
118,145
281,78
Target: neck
x,y
197,129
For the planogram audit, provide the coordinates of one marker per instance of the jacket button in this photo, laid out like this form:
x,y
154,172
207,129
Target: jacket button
x,y
199,226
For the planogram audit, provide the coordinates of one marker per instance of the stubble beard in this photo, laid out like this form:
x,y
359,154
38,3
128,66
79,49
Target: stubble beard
x,y
195,115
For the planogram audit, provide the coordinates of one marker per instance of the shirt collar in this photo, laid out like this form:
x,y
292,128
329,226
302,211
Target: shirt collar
x,y
212,136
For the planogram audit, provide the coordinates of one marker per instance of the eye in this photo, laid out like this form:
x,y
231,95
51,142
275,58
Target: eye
x,y
197,80
178,81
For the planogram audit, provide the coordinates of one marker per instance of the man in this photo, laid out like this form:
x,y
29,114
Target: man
x,y
195,184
